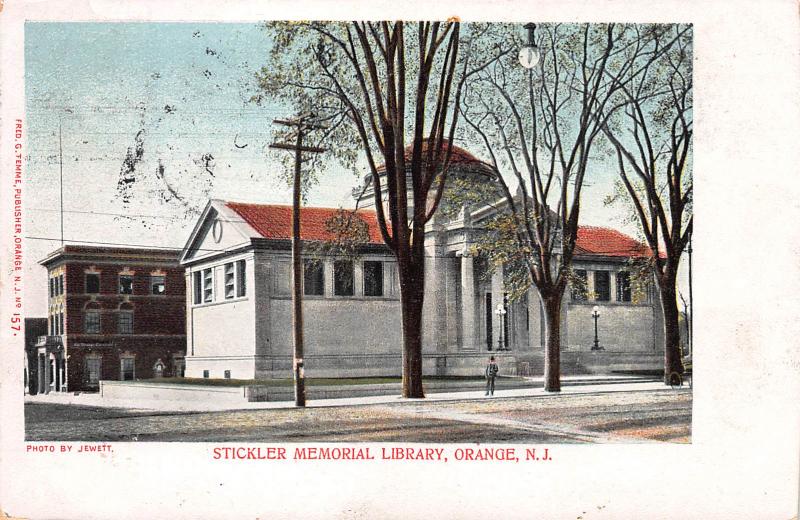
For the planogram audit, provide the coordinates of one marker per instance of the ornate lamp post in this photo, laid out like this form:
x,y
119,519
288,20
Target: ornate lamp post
x,y
595,315
501,313
529,55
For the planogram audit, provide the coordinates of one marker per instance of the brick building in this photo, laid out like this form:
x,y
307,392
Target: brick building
x,y
113,313
34,329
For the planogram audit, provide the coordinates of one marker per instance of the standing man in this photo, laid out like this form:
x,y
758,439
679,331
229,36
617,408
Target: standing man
x,y
491,372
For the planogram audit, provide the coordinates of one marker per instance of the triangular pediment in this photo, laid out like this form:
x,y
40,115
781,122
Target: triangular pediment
x,y
217,231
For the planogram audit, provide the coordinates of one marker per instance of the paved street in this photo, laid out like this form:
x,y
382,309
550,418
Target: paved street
x,y
635,416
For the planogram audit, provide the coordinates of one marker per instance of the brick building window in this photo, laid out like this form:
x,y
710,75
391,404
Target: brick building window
x,y
343,278
125,284
92,283
127,369
158,285
91,322
373,278
623,286
91,371
313,278
125,322
61,284
602,286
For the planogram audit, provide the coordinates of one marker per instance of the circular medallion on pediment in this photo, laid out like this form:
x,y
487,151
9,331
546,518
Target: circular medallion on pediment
x,y
216,230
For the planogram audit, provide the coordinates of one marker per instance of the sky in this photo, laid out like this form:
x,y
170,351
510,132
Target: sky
x,y
166,107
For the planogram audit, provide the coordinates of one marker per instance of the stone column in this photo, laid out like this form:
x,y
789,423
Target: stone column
x,y
358,278
328,277
612,286
438,276
468,317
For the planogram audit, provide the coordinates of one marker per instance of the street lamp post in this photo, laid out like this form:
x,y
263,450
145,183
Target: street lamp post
x,y
595,315
501,312
529,55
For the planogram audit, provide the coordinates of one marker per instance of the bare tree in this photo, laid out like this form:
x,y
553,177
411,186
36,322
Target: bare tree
x,y
391,88
652,138
539,127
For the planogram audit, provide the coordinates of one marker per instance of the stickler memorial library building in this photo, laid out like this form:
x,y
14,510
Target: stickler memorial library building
x,y
238,299
221,307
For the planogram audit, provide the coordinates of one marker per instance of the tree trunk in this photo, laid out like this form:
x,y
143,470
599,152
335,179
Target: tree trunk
x,y
412,284
669,306
552,343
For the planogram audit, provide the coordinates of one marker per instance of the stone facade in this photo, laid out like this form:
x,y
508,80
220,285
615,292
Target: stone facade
x,y
249,335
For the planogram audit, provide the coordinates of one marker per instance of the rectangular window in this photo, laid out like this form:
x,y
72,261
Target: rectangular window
x,y
92,371
343,278
92,283
52,287
125,284
127,371
208,286
125,322
602,286
198,287
91,322
158,285
61,323
578,285
373,278
313,278
205,374
230,281
241,282
227,374
61,284
623,286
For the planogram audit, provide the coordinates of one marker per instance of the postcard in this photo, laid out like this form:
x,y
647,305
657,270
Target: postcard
x,y
398,260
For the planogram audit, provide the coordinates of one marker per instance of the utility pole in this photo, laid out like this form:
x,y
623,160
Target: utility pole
x,y
61,179
691,302
301,124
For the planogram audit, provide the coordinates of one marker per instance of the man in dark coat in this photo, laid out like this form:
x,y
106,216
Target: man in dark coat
x,y
491,373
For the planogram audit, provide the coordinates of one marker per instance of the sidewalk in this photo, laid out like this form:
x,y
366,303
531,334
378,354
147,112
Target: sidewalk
x,y
570,386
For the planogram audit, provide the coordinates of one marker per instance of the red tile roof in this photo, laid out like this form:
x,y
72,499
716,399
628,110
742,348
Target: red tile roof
x,y
602,241
273,221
